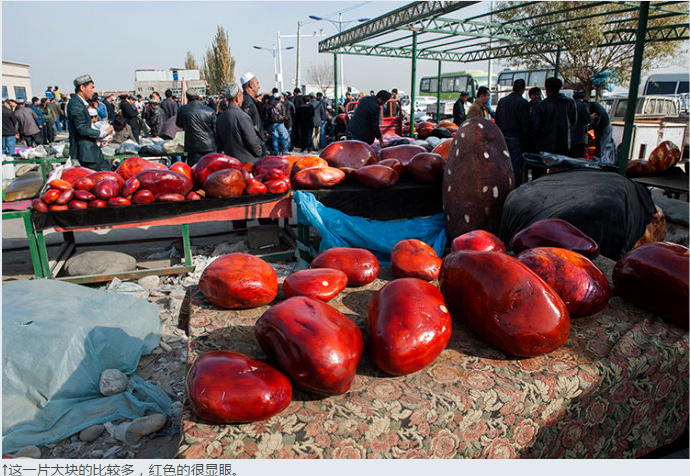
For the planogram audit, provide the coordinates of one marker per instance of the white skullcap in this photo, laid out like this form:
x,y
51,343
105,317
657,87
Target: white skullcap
x,y
246,78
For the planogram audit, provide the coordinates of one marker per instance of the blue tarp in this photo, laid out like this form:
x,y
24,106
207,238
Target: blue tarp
x,y
338,229
57,338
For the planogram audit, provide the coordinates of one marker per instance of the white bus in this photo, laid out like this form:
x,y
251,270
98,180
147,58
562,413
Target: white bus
x,y
667,84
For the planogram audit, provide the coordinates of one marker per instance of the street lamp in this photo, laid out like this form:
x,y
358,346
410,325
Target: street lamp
x,y
278,72
339,25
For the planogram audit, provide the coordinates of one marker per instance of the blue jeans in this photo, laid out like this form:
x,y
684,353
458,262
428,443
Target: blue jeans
x,y
516,146
58,126
278,132
8,144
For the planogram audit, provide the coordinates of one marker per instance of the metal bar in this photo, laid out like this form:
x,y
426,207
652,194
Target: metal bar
x,y
438,93
33,248
414,79
186,245
64,252
634,86
558,62
96,278
43,253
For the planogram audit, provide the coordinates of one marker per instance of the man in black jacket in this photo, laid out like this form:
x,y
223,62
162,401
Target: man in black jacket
x,y
277,118
236,134
554,118
10,133
459,112
365,122
168,105
512,117
250,90
578,137
130,113
199,125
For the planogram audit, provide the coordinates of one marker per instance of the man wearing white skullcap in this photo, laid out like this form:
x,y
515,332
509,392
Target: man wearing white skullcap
x,y
250,88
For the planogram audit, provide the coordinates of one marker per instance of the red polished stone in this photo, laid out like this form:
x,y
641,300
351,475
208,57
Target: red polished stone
x,y
98,203
321,283
119,202
192,196
142,197
582,286
376,176
307,163
51,195
360,265
131,185
65,196
408,326
131,166
106,189
84,196
269,163
72,174
318,177
478,240
426,168
349,153
403,153
655,277
314,344
393,164
504,301
77,205
443,148
225,183
556,233
424,129
228,387
39,205
254,187
60,184
184,169
239,281
162,182
280,185
105,174
213,162
414,258
171,197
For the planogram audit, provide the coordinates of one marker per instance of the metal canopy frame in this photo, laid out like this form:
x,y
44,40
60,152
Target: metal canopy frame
x,y
439,31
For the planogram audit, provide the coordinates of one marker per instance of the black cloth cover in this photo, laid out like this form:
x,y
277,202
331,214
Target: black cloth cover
x,y
613,210
94,217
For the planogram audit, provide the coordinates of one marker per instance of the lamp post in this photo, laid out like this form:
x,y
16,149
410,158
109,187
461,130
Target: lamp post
x,y
339,25
299,36
278,73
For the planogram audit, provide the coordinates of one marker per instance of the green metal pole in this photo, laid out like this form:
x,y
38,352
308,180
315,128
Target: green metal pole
x,y
413,95
335,82
634,86
438,93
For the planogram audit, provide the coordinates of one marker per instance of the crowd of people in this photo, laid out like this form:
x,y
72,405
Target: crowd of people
x,y
556,124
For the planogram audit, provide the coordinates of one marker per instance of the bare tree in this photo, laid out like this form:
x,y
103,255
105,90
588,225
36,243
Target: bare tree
x,y
218,66
190,62
581,58
321,75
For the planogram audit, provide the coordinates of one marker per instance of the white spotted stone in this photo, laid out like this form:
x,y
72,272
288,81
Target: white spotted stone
x,y
449,188
449,172
485,189
495,191
462,134
467,218
486,155
481,126
505,152
457,152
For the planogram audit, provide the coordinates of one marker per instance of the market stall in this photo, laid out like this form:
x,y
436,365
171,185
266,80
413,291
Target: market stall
x,y
617,388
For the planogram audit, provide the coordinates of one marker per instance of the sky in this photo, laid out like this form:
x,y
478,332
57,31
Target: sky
x,y
110,40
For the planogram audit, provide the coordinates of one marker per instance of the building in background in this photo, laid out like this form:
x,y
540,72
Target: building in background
x,y
147,81
16,80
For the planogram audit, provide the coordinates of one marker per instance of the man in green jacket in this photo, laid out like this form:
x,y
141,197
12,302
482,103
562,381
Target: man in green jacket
x,y
83,138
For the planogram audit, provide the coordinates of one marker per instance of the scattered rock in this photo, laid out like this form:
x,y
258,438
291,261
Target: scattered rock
x,y
96,454
91,433
112,451
225,248
149,282
112,381
28,452
100,262
144,426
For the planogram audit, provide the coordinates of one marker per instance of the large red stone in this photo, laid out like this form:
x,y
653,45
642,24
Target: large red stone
x,y
239,281
403,153
270,163
315,345
408,326
225,183
163,182
582,286
504,301
426,168
655,277
443,148
131,166
477,178
228,387
318,177
349,153
104,174
415,259
556,233
478,240
321,283
376,176
213,162
307,163
72,174
360,265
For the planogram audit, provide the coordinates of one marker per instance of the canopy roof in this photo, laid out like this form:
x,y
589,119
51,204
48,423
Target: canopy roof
x,y
446,33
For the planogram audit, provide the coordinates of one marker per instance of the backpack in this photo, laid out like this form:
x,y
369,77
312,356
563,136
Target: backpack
x,y
275,112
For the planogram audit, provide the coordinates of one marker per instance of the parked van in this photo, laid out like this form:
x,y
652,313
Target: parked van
x,y
667,84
